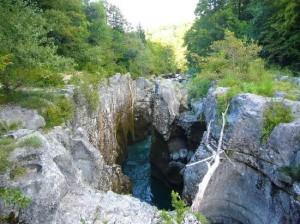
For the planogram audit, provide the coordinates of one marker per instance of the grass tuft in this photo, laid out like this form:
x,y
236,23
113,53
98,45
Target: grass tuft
x,y
274,115
54,107
17,172
30,142
5,126
7,145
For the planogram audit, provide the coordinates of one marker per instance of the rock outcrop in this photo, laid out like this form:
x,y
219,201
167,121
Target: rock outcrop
x,y
24,118
70,176
250,187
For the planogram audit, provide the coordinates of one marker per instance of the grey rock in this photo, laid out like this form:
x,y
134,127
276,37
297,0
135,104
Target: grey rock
x,y
243,193
29,119
190,219
296,188
66,180
183,153
68,177
168,101
104,208
19,133
280,94
197,107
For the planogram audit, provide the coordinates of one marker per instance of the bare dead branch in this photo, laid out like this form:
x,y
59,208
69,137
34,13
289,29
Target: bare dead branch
x,y
212,165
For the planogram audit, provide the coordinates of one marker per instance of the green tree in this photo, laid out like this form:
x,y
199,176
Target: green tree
x,y
275,24
68,26
281,35
213,17
30,56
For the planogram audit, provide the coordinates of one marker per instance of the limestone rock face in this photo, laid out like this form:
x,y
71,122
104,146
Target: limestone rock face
x,y
104,208
69,178
143,108
66,179
169,101
253,189
108,126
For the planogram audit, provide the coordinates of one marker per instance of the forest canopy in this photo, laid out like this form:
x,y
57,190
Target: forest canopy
x,y
273,24
44,39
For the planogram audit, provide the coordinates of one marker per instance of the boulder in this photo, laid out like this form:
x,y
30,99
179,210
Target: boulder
x,y
143,108
250,188
90,206
26,118
169,100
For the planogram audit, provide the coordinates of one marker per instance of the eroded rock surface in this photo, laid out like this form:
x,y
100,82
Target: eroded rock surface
x,y
28,119
251,188
71,175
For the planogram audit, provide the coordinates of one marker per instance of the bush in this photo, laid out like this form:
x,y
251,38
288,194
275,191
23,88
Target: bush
x,y
28,56
198,87
274,115
180,210
59,112
7,145
235,64
91,94
14,197
88,86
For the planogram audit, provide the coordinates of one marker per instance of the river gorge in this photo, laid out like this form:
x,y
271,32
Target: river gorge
x,y
119,163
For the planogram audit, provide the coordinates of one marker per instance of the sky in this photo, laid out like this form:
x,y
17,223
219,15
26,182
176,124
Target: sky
x,y
154,13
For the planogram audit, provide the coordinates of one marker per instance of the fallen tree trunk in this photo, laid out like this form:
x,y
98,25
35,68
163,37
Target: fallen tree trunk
x,y
212,163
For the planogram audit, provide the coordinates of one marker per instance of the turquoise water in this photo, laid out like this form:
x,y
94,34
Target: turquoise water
x,y
138,168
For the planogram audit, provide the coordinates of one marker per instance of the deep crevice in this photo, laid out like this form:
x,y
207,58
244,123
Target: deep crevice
x,y
155,166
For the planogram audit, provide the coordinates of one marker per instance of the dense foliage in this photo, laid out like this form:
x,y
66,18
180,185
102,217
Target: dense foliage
x,y
40,40
27,56
96,35
234,63
274,24
172,35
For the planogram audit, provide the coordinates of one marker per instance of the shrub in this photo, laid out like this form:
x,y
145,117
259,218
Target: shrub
x,y
275,114
88,86
235,64
29,56
59,112
180,210
91,95
14,197
198,87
